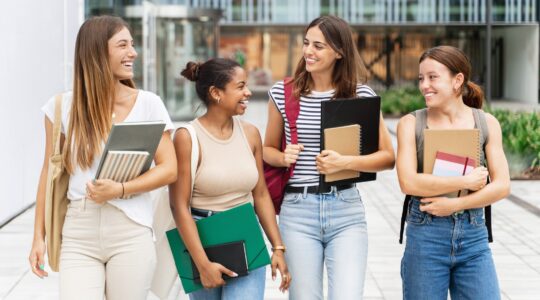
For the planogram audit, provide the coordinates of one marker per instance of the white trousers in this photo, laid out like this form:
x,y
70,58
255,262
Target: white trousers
x,y
104,253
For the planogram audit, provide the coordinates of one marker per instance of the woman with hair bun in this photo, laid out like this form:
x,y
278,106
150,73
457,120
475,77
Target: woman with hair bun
x,y
447,240
229,173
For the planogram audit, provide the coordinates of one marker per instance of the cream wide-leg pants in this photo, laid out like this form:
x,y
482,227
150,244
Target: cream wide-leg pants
x,y
104,253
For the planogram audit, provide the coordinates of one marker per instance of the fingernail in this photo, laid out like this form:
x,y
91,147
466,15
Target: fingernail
x,y
42,267
273,278
234,275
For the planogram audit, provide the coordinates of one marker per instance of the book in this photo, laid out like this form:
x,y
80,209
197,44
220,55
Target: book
x,y
231,255
364,111
133,136
447,164
236,224
345,140
122,166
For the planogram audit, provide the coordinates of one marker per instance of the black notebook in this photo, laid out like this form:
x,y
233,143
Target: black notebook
x,y
231,255
364,111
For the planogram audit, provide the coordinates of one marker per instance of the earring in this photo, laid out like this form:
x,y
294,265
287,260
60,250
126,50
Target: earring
x,y
218,100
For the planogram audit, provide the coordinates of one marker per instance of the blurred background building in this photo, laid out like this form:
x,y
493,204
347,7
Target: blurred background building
x,y
265,36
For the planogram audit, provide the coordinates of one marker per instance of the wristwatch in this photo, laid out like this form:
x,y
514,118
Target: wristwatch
x,y
280,247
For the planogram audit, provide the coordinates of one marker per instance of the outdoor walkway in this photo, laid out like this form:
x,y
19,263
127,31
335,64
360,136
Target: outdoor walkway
x,y
516,250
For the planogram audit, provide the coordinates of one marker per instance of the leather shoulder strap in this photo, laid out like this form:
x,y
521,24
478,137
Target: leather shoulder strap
x,y
292,108
57,125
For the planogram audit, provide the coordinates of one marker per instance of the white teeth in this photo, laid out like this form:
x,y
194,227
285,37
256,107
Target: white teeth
x,y
127,64
428,94
245,102
310,60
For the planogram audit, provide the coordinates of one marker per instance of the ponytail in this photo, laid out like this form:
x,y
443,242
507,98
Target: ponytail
x,y
473,96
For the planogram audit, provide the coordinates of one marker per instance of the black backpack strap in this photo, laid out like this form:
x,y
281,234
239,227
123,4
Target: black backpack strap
x,y
404,217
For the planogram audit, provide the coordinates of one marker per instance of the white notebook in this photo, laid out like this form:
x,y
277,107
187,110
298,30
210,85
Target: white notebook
x,y
122,166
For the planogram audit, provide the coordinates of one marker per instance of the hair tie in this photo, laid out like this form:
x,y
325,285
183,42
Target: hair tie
x,y
196,71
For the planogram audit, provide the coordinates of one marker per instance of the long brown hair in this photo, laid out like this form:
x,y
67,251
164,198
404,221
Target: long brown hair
x,y
348,71
457,62
93,92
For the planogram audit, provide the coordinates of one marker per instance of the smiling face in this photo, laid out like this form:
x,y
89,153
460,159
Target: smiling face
x,y
234,97
437,83
318,55
122,54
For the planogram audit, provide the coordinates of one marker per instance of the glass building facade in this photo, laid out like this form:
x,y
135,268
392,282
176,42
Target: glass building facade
x,y
265,36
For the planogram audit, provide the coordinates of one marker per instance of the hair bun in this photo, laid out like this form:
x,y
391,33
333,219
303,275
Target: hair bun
x,y
191,71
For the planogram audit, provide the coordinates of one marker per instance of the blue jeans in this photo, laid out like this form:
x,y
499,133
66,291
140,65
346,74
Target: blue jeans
x,y
447,253
244,287
325,228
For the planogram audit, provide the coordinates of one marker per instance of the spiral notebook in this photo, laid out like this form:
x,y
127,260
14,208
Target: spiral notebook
x,y
345,140
461,142
456,142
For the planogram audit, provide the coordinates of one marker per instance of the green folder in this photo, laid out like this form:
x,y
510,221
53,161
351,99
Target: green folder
x,y
236,224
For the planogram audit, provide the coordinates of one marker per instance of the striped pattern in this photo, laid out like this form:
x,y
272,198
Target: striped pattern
x,y
309,128
122,166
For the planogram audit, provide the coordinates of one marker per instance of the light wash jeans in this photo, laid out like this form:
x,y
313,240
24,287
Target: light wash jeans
x,y
244,287
447,253
325,229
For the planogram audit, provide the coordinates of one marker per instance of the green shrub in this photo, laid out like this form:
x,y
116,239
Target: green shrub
x,y
521,135
401,101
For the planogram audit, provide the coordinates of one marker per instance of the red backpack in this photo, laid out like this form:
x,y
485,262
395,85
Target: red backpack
x,y
277,177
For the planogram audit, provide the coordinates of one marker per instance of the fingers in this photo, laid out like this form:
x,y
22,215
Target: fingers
x,y
291,153
37,265
285,280
274,267
226,271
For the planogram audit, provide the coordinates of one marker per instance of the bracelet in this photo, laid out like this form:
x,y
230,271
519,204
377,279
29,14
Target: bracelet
x,y
122,190
280,247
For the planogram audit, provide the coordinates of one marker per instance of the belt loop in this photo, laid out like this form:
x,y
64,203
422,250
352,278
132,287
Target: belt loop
x,y
209,213
304,194
334,190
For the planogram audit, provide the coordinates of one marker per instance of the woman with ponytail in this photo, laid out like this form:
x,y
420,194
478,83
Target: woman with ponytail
x,y
447,240
229,174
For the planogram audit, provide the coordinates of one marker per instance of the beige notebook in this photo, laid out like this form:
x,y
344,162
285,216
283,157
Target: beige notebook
x,y
346,141
460,142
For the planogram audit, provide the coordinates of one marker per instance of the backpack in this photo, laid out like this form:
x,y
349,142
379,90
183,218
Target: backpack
x,y
277,177
487,210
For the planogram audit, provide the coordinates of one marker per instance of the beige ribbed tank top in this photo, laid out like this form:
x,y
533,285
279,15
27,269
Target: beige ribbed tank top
x,y
227,172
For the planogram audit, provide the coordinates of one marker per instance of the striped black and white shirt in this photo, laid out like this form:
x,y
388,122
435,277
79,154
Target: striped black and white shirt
x,y
309,129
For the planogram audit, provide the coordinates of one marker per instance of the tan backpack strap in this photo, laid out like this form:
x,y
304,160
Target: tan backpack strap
x,y
57,125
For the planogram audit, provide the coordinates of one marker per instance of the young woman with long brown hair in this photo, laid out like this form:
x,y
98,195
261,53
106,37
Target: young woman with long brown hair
x,y
447,239
323,227
105,239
